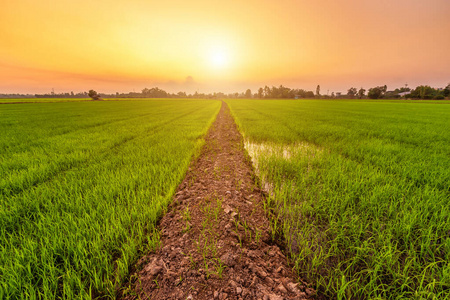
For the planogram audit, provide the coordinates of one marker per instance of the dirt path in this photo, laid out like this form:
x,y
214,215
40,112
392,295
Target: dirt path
x,y
215,237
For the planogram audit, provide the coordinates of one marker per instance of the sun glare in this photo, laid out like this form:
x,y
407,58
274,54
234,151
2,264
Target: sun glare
x,y
219,59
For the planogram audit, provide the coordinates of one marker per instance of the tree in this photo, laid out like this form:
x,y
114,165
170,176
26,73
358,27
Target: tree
x,y
260,93
446,91
154,93
361,92
402,90
274,92
309,94
93,94
352,92
318,91
248,94
424,92
284,92
266,92
377,92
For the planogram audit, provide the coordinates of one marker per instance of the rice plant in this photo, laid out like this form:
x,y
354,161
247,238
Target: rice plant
x,y
361,190
82,185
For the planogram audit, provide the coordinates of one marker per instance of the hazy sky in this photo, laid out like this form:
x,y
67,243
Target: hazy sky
x,y
208,45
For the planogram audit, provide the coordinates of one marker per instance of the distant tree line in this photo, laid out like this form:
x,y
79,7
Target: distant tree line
x,y
62,95
266,92
427,92
15,96
420,92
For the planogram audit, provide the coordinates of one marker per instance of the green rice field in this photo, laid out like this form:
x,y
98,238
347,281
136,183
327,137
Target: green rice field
x,y
360,192
82,185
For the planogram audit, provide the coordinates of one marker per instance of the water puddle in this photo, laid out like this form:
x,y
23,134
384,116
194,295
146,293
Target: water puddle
x,y
285,152
281,151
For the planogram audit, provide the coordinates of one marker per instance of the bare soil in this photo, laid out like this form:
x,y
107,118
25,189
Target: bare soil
x,y
216,240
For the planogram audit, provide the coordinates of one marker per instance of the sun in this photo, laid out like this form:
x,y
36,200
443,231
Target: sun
x,y
219,59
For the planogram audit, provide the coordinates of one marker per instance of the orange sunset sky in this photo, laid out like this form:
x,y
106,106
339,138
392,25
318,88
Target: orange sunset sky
x,y
228,46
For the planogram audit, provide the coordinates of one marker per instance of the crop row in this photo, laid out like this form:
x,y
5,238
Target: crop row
x,y
82,186
360,192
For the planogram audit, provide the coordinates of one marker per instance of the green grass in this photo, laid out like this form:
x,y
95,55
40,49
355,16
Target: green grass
x,y
82,185
360,191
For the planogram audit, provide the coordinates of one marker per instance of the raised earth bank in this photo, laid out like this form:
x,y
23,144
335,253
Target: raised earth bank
x,y
215,239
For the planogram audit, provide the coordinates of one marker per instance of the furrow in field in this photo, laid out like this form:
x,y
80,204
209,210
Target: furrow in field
x,y
216,242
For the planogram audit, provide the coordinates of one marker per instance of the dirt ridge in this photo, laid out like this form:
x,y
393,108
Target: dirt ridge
x,y
216,242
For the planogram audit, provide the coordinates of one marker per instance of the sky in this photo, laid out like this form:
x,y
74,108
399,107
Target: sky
x,y
222,46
